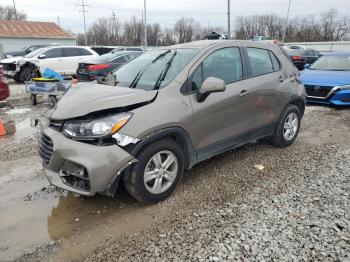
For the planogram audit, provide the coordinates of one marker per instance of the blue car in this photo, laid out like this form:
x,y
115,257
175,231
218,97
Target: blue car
x,y
327,81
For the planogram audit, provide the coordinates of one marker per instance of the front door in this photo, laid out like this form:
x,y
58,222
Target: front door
x,y
222,119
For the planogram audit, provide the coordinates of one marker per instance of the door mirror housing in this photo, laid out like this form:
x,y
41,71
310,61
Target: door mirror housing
x,y
210,85
307,66
42,56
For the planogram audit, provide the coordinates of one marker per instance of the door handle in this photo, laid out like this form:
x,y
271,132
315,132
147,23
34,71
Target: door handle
x,y
243,93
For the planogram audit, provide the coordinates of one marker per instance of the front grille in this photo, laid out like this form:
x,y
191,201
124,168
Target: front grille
x,y
56,124
317,91
45,148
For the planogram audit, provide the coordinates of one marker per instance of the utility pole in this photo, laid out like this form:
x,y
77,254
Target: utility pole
x,y
14,6
114,17
145,22
229,18
84,11
286,24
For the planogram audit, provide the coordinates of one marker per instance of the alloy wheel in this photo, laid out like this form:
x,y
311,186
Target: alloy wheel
x,y
290,127
160,172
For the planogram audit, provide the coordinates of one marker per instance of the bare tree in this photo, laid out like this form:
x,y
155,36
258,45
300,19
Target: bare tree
x,y
9,13
185,29
153,34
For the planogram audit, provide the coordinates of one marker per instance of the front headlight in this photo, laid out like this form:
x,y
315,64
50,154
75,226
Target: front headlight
x,y
96,128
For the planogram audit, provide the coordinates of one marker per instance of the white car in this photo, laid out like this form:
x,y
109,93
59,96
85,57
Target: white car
x,y
62,59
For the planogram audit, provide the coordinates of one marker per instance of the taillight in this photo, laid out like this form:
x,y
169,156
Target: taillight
x,y
97,67
297,57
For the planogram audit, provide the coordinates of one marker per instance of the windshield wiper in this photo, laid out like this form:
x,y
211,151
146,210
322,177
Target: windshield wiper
x,y
140,73
164,72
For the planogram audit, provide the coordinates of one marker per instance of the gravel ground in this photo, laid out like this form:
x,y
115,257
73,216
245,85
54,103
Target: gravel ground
x,y
297,208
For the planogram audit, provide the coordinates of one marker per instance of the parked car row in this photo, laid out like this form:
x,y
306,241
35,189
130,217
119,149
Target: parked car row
x,y
63,59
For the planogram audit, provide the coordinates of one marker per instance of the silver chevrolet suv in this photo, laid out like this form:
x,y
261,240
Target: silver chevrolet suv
x,y
166,111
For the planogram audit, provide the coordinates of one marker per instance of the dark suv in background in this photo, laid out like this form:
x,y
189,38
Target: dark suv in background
x,y
303,56
98,67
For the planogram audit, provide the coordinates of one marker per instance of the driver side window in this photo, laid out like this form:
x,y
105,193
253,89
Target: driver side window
x,y
53,53
225,64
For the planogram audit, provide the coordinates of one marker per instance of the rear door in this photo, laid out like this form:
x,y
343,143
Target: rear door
x,y
266,80
223,119
72,57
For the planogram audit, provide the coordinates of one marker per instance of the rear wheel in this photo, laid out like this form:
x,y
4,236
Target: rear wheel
x,y
52,101
288,127
33,100
157,173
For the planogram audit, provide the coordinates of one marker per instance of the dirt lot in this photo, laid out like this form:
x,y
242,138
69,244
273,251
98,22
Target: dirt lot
x,y
296,208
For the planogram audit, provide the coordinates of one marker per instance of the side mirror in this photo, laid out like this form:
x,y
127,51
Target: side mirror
x,y
42,56
307,66
27,51
210,85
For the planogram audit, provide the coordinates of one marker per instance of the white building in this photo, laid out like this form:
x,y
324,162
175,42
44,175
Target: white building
x,y
15,35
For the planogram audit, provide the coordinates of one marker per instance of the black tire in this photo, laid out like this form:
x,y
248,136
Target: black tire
x,y
278,138
27,73
134,182
33,100
52,101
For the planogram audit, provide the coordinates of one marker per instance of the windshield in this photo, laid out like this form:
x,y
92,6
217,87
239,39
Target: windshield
x,y
34,53
335,63
144,72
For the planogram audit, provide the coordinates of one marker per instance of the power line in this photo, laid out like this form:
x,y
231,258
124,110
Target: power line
x,y
84,11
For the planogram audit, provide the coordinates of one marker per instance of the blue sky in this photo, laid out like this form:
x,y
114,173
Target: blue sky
x,y
166,12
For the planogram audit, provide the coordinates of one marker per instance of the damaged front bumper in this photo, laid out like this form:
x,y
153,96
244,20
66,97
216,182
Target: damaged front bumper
x,y
10,69
79,167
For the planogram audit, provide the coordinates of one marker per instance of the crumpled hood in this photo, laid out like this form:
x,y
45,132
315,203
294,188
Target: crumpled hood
x,y
85,98
15,59
325,77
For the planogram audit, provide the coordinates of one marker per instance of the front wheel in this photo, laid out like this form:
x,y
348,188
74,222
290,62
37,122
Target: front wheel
x,y
157,173
288,127
28,73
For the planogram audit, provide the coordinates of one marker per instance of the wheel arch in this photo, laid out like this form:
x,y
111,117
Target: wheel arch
x,y
177,134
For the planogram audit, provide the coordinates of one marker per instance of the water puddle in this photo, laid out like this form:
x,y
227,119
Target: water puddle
x,y
24,129
34,213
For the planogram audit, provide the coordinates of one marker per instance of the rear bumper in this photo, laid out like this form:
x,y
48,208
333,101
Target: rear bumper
x,y
82,168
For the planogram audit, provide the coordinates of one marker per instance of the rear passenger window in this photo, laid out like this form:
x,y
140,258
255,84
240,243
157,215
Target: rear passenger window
x,y
260,62
225,64
275,63
73,51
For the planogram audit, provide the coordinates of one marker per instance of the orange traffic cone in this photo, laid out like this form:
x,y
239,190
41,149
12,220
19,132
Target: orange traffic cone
x,y
2,128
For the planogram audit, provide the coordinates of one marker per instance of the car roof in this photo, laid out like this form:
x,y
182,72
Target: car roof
x,y
206,43
337,53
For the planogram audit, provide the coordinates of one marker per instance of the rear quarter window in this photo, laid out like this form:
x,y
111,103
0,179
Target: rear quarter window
x,y
259,61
